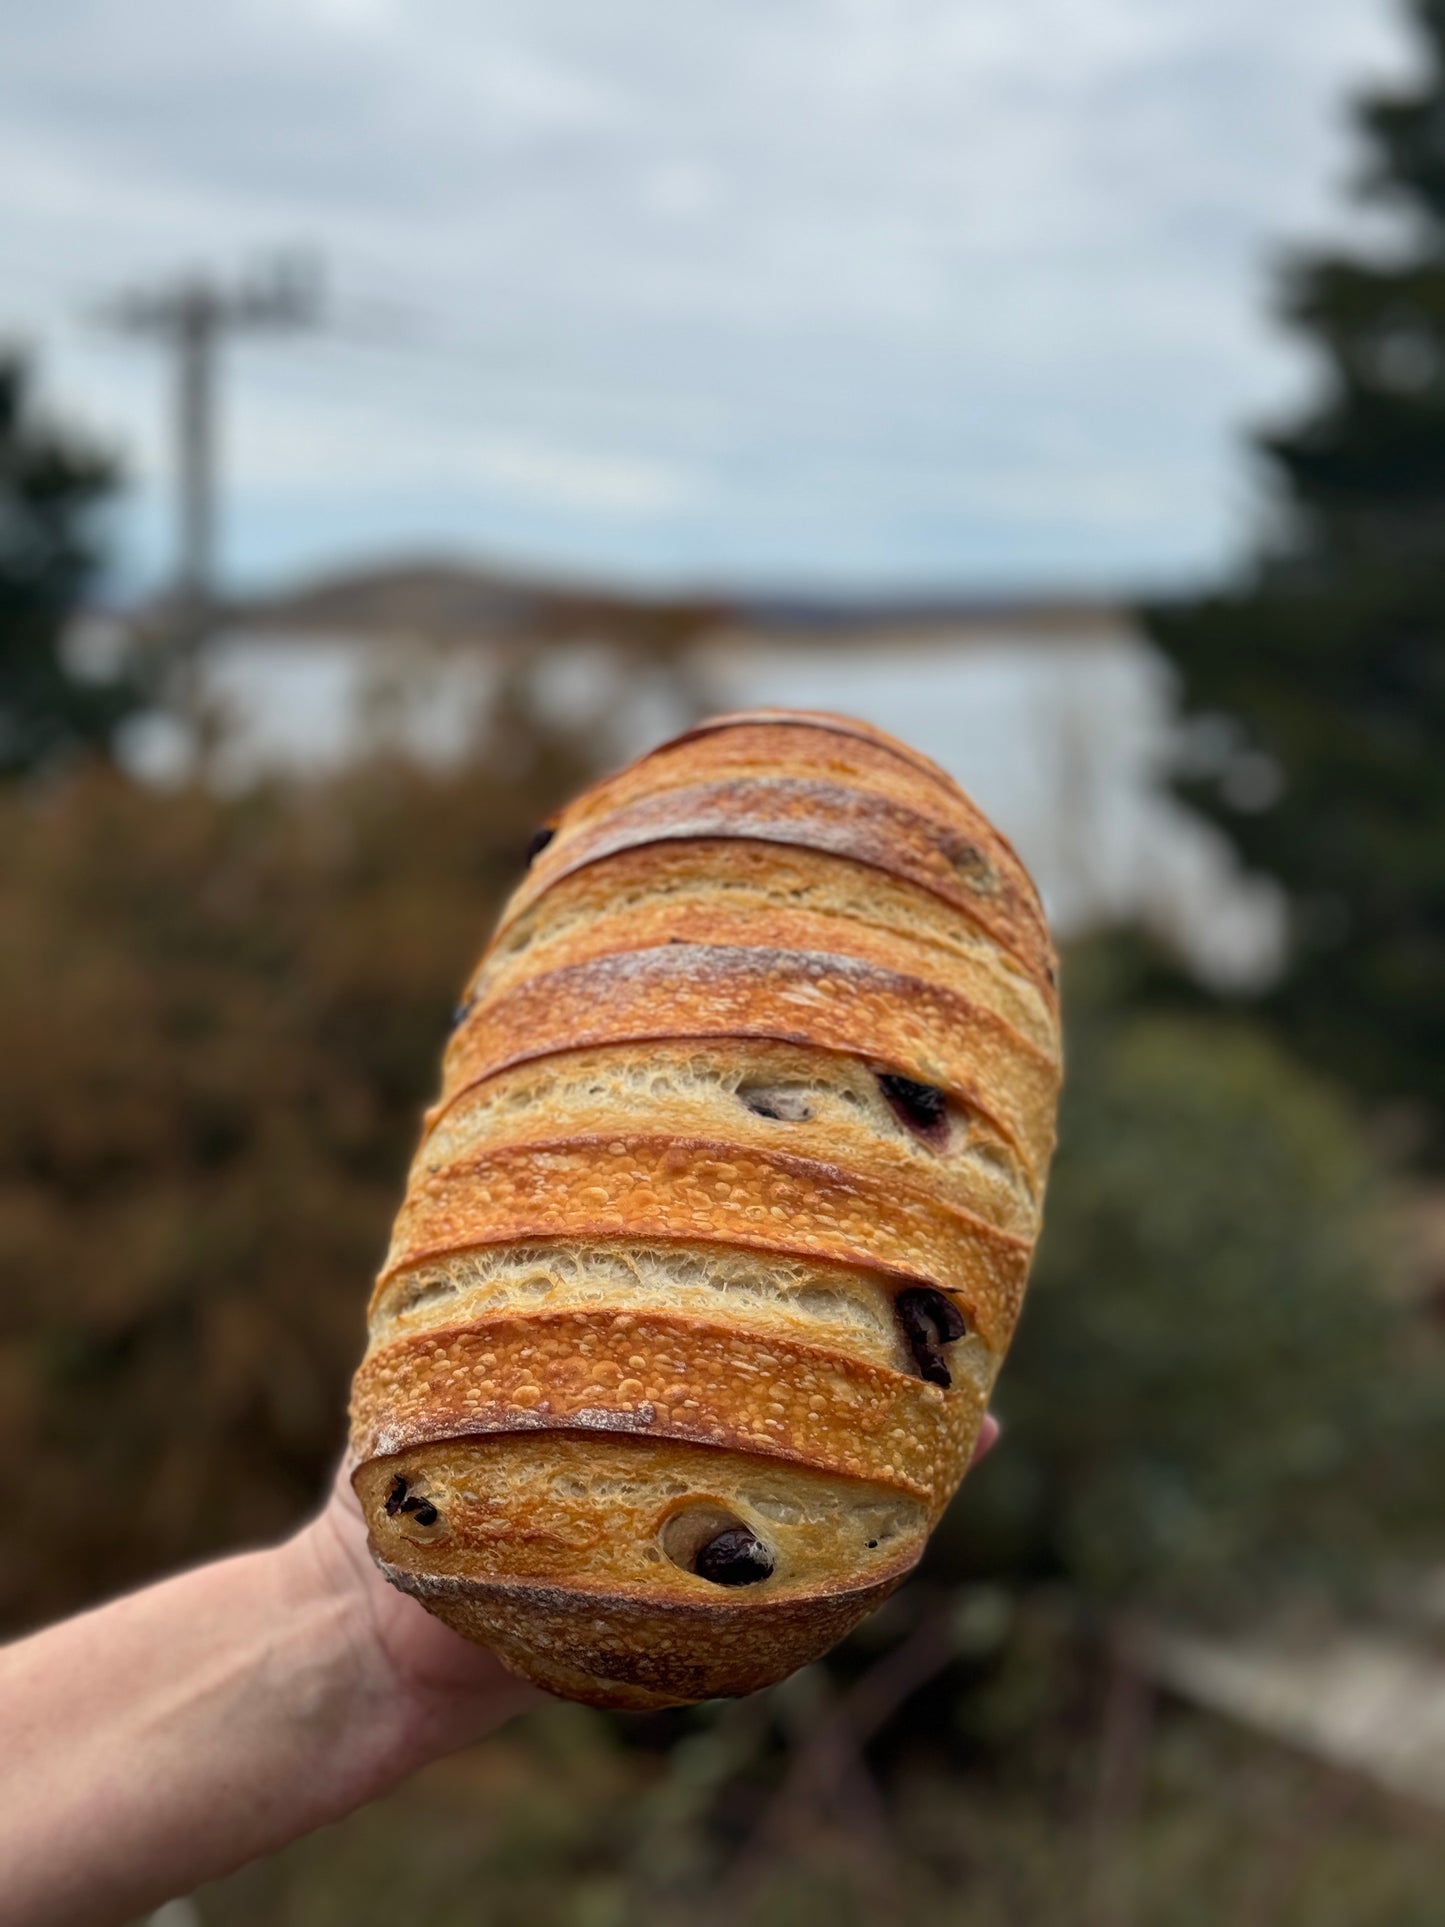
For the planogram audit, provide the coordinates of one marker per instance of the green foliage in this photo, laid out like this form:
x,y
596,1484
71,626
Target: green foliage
x,y
1408,128
1320,679
51,485
1213,1391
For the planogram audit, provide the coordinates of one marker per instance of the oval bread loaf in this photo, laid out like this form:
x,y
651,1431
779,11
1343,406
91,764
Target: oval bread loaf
x,y
719,1229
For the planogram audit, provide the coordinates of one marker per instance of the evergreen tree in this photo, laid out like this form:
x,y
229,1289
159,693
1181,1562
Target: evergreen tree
x,y
1318,682
51,484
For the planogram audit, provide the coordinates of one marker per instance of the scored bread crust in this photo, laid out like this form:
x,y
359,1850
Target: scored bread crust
x,y
829,903
831,720
685,990
731,1088
782,752
959,867
638,1188
666,1377
720,1225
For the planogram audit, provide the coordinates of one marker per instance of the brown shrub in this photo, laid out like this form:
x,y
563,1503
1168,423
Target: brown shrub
x,y
218,1021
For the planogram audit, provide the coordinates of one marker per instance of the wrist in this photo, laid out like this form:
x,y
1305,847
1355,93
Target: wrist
x,y
416,1690
346,1685
183,1730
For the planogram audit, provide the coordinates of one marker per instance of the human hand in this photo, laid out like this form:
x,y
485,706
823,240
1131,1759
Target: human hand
x,y
440,1691
444,1690
987,1439
189,1727
168,1737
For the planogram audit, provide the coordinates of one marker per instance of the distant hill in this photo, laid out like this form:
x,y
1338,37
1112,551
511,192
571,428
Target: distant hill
x,y
448,601
440,601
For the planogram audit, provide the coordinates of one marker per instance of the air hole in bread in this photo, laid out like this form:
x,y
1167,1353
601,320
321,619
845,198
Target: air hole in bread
x,y
818,1301
709,1540
922,1107
781,1511
788,1103
930,1321
415,1293
519,941
881,1523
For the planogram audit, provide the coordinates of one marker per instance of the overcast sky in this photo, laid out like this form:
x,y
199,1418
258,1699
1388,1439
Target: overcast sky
x,y
895,294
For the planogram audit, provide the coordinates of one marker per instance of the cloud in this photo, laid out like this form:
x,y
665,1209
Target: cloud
x,y
769,287
294,454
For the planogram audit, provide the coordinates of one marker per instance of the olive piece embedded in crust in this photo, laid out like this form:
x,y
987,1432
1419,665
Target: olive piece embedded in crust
x,y
539,841
922,1107
735,1557
398,1500
930,1321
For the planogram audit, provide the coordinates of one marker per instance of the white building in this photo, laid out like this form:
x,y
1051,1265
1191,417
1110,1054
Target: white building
x,y
1059,718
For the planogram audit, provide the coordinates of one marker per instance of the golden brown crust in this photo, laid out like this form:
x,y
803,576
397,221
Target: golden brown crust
x,y
513,1518
749,751
622,1511
752,1096
832,906
953,860
638,1656
778,933
720,926
681,990
825,719
667,1378
758,1095
840,1307
638,1188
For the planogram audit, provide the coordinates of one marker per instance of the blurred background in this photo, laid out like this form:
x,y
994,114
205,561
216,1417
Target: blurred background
x,y
407,413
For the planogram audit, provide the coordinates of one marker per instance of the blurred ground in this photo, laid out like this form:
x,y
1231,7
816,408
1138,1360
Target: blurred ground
x,y
563,1827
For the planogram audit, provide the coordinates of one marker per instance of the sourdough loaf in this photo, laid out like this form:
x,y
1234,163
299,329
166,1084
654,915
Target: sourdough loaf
x,y
719,1228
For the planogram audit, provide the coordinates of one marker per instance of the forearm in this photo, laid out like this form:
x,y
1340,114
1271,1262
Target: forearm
x,y
177,1733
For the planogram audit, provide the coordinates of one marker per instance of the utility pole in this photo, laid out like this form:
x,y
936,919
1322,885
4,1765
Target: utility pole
x,y
190,317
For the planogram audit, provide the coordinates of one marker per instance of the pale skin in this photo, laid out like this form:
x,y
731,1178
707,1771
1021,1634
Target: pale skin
x,y
171,1736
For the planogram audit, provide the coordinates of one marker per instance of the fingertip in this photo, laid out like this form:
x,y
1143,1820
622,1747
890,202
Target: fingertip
x,y
988,1436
